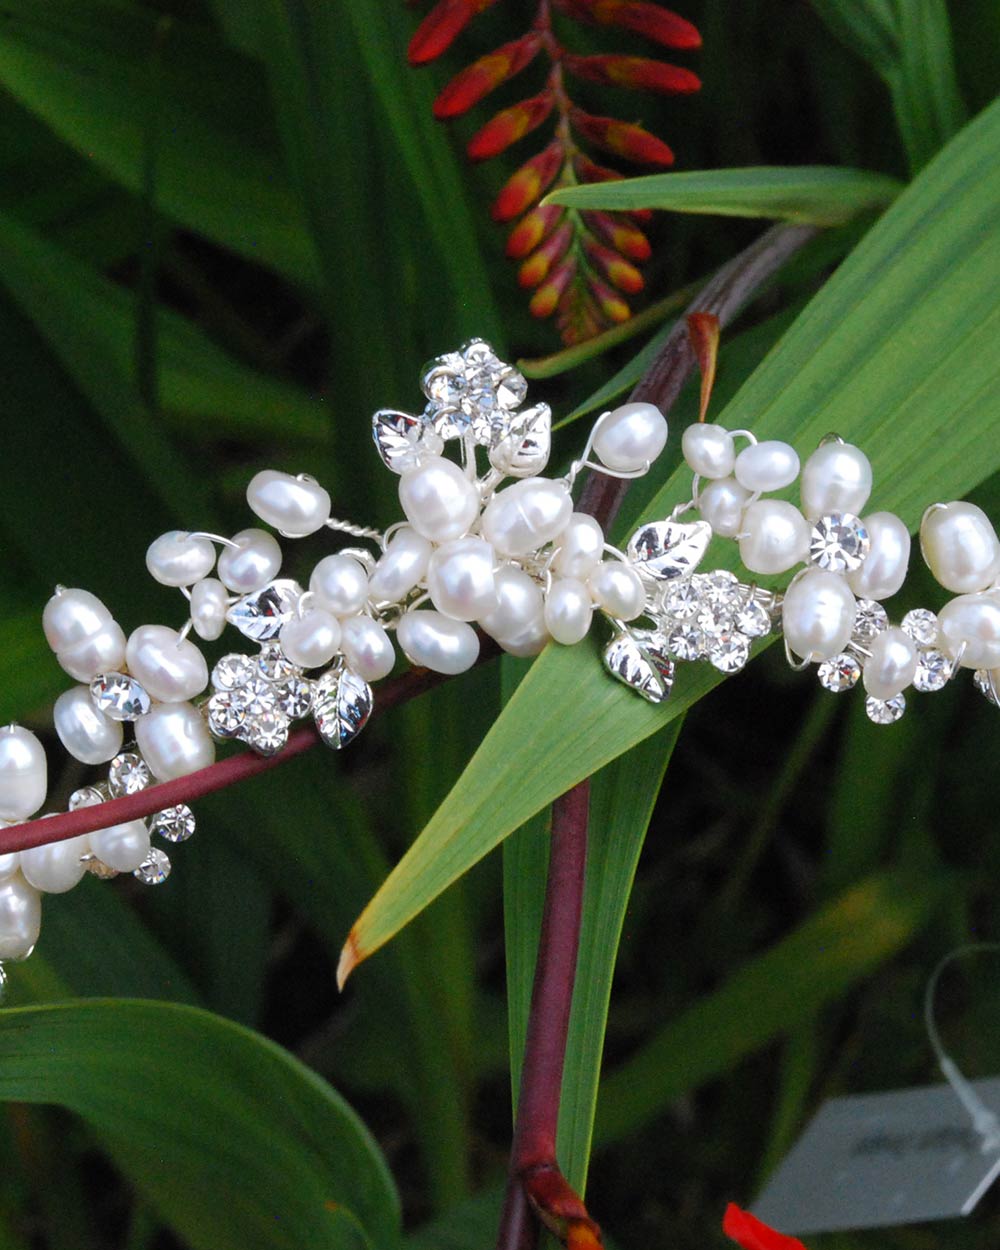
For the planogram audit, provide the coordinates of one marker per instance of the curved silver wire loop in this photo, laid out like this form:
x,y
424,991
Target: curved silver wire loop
x,y
356,531
215,538
832,437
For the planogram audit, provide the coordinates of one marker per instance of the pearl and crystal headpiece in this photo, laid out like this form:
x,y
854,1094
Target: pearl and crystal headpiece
x,y
488,546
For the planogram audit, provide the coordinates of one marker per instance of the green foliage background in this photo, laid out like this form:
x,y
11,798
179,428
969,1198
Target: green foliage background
x,y
229,230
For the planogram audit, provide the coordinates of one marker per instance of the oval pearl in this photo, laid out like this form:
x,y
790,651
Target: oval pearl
x,y
177,559
55,867
71,617
311,640
893,661
569,610
975,621
293,506
122,847
460,579
529,641
631,437
709,450
9,863
519,605
174,740
86,733
169,667
23,773
367,648
440,502
401,567
20,918
340,585
104,652
767,466
430,640
618,589
818,615
837,477
884,569
252,563
209,604
960,547
581,547
721,504
775,536
527,515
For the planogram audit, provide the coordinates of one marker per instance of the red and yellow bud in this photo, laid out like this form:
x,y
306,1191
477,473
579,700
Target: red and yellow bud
x,y
540,262
753,1234
636,72
531,229
622,138
589,171
704,329
663,27
618,271
613,307
619,234
560,1208
509,125
546,298
529,183
441,27
480,78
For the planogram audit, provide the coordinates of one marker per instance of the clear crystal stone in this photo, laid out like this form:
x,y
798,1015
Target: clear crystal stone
x,y
885,711
87,796
922,626
273,664
839,543
232,671
119,696
870,619
753,620
987,685
445,385
720,589
686,642
127,774
176,824
262,615
840,672
729,652
267,734
933,670
226,714
715,618
478,354
681,601
154,869
294,697
259,698
512,389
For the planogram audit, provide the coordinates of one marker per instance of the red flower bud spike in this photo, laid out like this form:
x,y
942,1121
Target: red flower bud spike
x,y
753,1234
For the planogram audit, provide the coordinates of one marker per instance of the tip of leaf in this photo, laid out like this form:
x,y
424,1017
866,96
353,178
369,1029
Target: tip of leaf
x,y
350,957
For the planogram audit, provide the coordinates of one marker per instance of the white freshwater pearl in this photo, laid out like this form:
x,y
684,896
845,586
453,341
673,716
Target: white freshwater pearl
x,y
709,450
460,579
340,585
960,547
775,536
837,477
892,663
569,610
293,506
122,847
23,773
618,589
529,641
83,634
169,667
767,466
581,547
177,559
430,640
20,918
208,608
55,867
631,437
11,862
525,516
367,648
311,640
818,615
103,653
884,569
721,504
174,740
401,567
519,605
252,563
86,733
974,620
440,502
